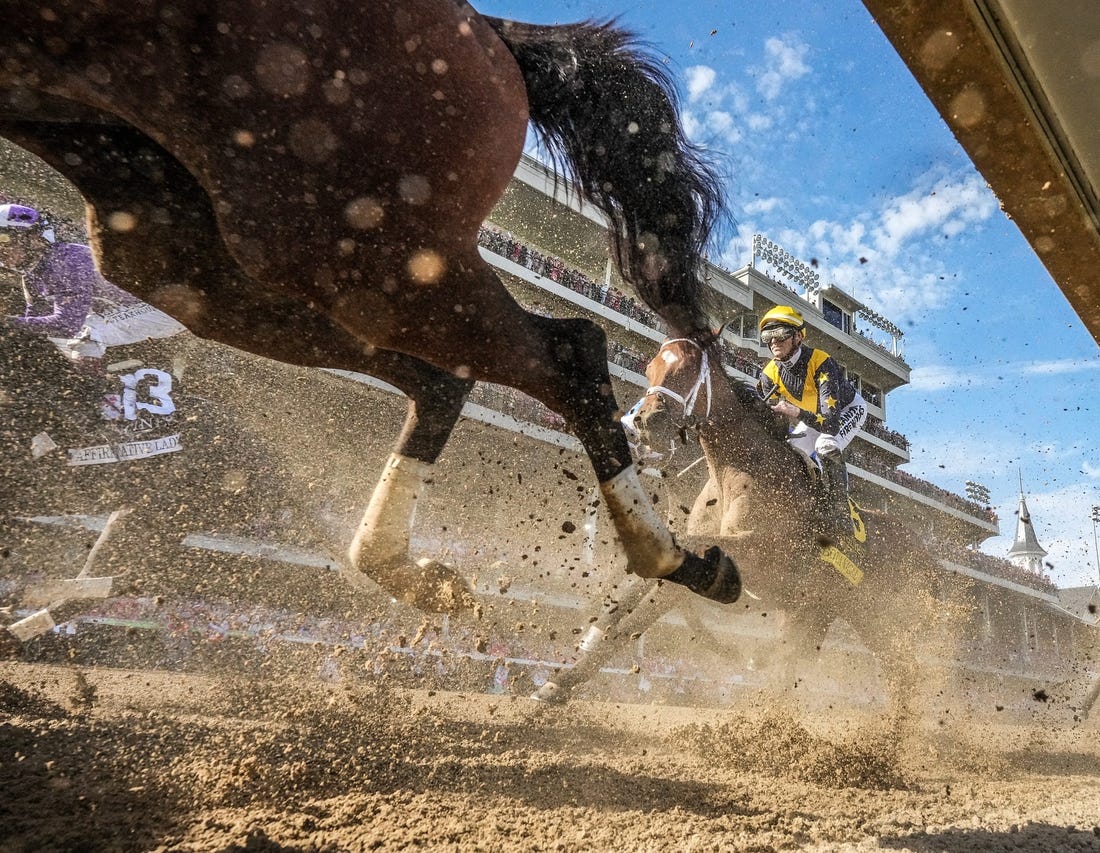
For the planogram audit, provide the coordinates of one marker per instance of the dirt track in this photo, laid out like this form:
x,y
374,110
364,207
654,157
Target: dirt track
x,y
106,759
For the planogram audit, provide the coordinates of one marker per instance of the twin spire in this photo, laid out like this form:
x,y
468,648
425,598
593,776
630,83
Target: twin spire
x,y
1026,552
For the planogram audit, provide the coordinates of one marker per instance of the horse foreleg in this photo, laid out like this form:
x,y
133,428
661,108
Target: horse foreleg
x,y
640,605
590,409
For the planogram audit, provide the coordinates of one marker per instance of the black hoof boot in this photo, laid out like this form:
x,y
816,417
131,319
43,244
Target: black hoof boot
x,y
712,576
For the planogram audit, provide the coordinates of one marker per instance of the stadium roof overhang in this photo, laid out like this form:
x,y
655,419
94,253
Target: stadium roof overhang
x,y
1016,81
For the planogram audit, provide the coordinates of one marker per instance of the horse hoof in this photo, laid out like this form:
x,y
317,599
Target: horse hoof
x,y
713,576
549,694
429,585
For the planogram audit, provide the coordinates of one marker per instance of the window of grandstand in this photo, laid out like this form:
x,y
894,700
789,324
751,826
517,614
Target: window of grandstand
x,y
836,316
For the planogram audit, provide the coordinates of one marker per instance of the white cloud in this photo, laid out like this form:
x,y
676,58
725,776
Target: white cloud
x,y
889,257
934,378
692,126
721,123
762,205
760,122
1091,471
1062,366
700,78
785,60
886,257
948,207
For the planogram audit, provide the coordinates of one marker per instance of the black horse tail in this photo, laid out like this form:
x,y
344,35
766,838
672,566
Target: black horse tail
x,y
608,115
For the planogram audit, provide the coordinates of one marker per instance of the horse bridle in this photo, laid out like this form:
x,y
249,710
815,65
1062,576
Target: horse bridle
x,y
688,401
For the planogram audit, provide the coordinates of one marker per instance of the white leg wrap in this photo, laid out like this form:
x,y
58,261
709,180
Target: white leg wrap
x,y
591,639
383,534
651,551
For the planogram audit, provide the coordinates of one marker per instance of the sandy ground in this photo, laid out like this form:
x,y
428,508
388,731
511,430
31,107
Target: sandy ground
x,y
263,755
115,759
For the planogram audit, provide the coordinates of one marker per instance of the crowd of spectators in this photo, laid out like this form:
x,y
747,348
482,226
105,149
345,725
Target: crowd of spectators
x,y
876,427
916,484
995,566
507,246
627,357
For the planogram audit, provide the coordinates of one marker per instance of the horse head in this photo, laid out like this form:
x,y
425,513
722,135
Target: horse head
x,y
691,399
680,388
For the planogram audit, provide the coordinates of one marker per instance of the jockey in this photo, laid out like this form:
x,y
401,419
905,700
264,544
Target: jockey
x,y
824,407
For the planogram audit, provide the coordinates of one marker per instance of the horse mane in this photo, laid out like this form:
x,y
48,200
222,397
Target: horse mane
x,y
608,117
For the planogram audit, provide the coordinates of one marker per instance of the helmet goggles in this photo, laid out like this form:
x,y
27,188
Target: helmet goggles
x,y
778,332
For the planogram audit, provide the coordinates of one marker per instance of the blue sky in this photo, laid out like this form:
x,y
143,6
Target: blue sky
x,y
835,153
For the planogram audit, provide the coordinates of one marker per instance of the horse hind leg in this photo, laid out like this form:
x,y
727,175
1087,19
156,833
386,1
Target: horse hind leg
x,y
173,256
380,548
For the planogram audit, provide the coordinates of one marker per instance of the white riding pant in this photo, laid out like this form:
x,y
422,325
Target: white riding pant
x,y
810,441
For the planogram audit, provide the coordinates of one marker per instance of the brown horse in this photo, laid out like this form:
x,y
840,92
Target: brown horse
x,y
305,181
759,501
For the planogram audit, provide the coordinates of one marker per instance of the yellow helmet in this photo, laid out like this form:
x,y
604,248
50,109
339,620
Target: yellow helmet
x,y
782,315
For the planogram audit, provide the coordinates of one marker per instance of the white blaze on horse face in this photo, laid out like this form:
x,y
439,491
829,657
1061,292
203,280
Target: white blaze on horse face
x,y
651,551
669,357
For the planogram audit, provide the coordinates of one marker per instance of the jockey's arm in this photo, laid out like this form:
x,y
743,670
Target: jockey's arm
x,y
833,394
766,388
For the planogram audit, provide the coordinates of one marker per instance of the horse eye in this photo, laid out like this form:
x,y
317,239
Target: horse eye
x,y
683,435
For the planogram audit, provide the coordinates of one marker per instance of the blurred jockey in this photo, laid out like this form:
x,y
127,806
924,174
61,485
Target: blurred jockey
x,y
67,299
58,278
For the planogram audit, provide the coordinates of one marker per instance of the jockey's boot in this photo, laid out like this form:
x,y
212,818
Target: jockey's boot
x,y
838,516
